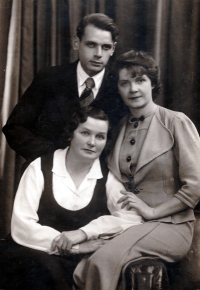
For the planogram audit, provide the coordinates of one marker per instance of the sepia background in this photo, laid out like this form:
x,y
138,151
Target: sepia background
x,y
37,33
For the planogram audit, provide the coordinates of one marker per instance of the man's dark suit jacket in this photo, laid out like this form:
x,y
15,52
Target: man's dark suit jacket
x,y
36,124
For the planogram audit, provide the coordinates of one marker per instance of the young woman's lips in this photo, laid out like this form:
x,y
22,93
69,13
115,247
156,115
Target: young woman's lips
x,y
89,150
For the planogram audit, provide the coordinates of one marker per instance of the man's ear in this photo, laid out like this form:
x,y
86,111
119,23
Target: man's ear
x,y
76,43
114,46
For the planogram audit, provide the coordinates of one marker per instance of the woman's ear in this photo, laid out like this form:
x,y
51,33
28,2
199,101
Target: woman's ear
x,y
76,43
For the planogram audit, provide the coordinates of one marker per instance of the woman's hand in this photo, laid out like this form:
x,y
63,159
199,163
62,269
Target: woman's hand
x,y
130,200
90,246
64,242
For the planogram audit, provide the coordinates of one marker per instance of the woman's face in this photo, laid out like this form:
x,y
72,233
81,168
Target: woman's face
x,y
89,139
136,92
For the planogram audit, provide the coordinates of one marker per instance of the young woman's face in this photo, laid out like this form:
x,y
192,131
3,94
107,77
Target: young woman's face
x,y
89,139
136,92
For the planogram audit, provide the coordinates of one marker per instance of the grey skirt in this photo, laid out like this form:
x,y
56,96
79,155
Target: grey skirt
x,y
166,241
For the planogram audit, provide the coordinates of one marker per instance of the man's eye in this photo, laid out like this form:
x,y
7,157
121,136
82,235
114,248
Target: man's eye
x,y
91,45
106,47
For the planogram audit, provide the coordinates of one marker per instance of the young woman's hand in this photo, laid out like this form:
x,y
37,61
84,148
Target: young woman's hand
x,y
89,246
64,242
130,200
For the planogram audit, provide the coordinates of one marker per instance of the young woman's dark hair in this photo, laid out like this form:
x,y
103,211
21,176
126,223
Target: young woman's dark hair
x,y
100,21
139,63
80,116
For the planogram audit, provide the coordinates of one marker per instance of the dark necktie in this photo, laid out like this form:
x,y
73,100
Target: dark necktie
x,y
87,96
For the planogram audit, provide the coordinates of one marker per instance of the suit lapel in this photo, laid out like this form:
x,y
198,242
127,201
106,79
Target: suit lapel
x,y
158,141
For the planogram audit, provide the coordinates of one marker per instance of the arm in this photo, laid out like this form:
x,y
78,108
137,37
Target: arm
x,y
18,129
169,207
25,228
105,226
120,218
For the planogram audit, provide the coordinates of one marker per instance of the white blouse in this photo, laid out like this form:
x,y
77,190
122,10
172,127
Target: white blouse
x,y
25,228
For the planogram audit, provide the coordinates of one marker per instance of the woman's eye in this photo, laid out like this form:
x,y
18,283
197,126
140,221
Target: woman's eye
x,y
123,84
140,81
85,133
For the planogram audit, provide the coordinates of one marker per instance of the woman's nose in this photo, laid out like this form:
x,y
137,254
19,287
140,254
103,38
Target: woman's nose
x,y
133,87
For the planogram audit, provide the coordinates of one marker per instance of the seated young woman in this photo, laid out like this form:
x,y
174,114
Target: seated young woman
x,y
57,198
156,156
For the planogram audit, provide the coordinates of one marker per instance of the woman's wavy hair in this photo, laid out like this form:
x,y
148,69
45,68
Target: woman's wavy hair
x,y
139,63
80,116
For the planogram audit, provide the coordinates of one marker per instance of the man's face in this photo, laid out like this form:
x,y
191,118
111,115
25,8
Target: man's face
x,y
95,49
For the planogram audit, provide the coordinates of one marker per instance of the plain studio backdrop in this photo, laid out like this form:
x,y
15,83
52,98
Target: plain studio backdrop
x,y
37,34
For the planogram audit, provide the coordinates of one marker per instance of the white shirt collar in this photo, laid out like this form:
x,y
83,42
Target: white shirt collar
x,y
60,169
82,76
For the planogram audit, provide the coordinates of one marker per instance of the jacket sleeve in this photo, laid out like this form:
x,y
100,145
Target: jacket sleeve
x,y
18,129
187,152
25,229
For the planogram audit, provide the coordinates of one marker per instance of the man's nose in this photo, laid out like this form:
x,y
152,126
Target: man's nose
x,y
98,51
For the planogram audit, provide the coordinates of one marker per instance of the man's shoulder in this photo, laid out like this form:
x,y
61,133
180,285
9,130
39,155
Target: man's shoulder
x,y
58,71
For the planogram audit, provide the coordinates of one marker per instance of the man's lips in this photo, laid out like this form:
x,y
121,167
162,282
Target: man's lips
x,y
96,62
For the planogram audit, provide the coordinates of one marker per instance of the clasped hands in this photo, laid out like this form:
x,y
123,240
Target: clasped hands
x,y
64,243
131,201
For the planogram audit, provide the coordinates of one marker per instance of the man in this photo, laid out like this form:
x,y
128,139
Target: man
x,y
36,125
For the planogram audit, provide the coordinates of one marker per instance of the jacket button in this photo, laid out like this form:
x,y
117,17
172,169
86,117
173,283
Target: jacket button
x,y
135,125
129,186
132,142
130,176
128,159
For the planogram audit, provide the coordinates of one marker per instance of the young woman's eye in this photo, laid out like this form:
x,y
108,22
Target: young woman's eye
x,y
100,137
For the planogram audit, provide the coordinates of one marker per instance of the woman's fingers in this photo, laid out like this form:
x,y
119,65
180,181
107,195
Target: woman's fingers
x,y
54,243
64,242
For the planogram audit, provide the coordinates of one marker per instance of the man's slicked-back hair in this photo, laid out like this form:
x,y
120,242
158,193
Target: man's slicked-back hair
x,y
100,21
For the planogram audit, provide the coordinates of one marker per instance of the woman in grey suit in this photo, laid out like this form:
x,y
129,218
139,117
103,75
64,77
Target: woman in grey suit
x,y
156,155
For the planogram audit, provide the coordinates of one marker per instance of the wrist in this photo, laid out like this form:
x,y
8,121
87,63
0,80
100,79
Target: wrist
x,y
150,214
82,235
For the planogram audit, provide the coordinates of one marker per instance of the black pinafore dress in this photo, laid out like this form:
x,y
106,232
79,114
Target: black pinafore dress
x,y
26,268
